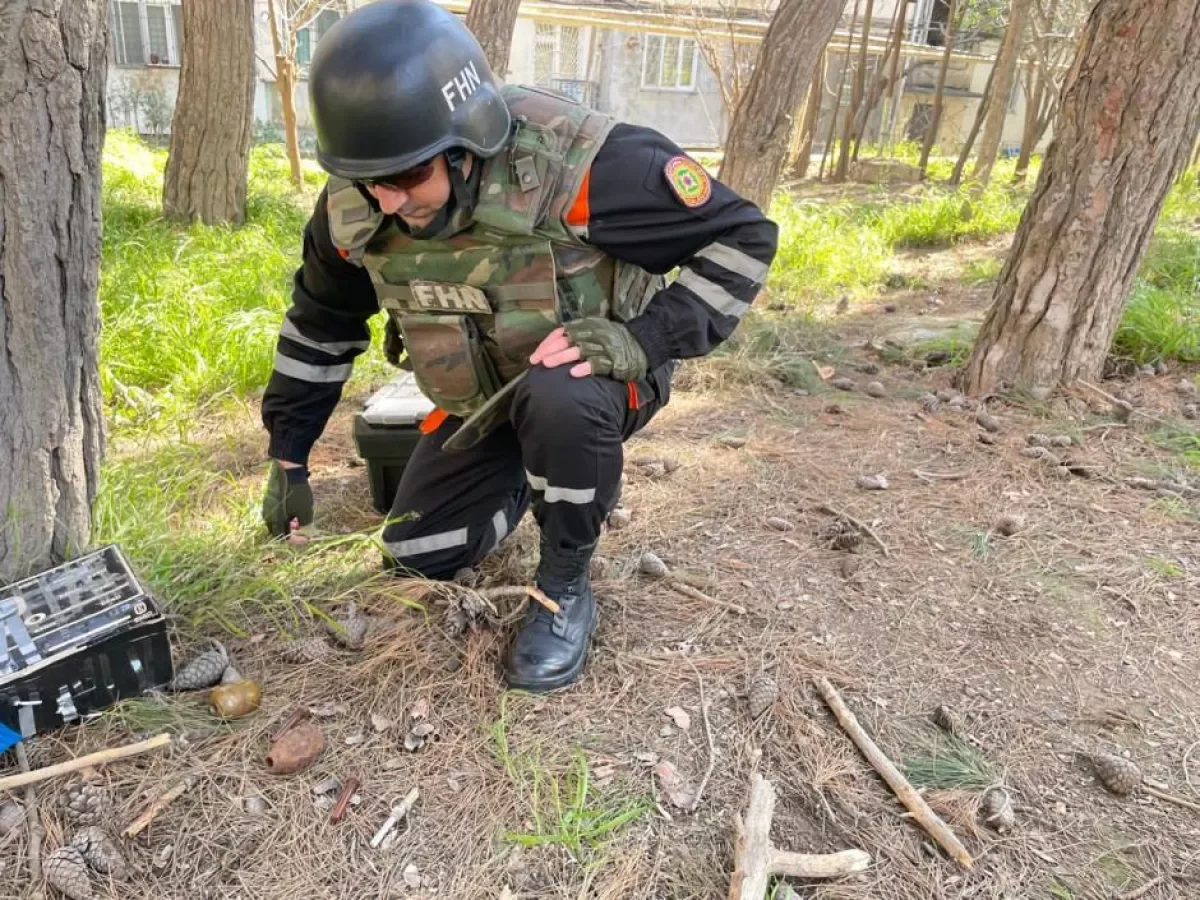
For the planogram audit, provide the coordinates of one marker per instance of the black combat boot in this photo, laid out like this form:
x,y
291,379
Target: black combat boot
x,y
550,650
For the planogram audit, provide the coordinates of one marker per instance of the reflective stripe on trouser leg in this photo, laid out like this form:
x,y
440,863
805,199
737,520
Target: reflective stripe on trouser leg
x,y
571,444
453,508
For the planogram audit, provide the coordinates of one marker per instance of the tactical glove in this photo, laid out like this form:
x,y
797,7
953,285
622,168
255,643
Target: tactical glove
x,y
287,497
610,347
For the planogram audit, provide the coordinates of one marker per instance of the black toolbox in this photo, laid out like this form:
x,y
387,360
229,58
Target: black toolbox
x,y
386,433
77,638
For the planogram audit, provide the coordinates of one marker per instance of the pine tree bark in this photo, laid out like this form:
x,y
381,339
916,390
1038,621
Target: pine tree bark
x,y
209,154
756,150
53,60
1129,116
939,94
856,97
1006,72
981,112
285,82
812,115
492,22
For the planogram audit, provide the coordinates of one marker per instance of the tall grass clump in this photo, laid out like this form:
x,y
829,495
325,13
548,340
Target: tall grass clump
x,y
190,313
1162,318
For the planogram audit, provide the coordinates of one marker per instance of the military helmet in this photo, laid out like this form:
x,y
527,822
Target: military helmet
x,y
395,83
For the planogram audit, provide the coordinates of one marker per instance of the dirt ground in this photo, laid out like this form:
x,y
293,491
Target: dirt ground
x,y
1077,634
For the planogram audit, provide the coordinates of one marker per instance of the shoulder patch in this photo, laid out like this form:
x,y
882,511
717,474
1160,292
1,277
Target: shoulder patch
x,y
688,180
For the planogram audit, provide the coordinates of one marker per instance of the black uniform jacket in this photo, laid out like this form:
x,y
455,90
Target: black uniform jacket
x,y
645,202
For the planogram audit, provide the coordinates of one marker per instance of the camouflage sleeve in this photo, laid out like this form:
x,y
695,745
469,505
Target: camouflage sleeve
x,y
652,205
323,331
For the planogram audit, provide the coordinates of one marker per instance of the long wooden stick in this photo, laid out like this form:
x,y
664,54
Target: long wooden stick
x,y
12,782
33,819
925,816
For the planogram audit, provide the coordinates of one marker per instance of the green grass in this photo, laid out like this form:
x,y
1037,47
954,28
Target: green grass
x,y
190,313
563,807
831,248
952,764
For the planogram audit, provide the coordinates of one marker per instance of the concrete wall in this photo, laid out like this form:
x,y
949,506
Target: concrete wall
x,y
692,118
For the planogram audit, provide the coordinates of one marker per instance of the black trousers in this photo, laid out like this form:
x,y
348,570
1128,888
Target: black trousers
x,y
561,452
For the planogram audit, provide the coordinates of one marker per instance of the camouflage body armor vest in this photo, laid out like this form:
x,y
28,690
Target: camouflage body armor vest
x,y
473,307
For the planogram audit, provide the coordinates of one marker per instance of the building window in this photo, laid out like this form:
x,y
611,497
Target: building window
x,y
669,63
556,53
147,32
305,39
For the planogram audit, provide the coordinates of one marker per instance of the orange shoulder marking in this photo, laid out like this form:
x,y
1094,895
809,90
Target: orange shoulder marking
x,y
579,212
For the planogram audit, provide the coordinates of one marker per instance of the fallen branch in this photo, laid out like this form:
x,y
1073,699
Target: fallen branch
x,y
690,591
99,758
757,859
1127,409
142,822
509,591
33,819
939,476
712,750
861,526
1169,797
921,811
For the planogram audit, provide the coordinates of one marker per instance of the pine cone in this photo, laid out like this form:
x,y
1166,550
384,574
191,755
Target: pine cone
x,y
12,818
87,804
997,810
761,695
947,719
65,870
351,630
840,534
204,671
1116,773
309,650
101,853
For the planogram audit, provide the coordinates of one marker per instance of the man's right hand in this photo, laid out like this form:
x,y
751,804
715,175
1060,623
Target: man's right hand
x,y
287,497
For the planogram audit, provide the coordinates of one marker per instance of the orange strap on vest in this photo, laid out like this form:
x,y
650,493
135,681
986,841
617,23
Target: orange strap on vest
x,y
433,421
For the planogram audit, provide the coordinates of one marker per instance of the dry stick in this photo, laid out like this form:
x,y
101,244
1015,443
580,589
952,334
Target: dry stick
x,y
861,526
507,592
142,822
92,759
32,818
1170,798
712,751
1122,404
690,591
1139,893
925,816
939,476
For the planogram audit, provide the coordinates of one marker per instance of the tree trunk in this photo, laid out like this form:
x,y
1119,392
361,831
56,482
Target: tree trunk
x,y
980,114
1006,69
856,97
285,83
53,60
939,95
894,78
1130,112
890,54
1035,101
812,115
205,177
756,150
837,102
492,22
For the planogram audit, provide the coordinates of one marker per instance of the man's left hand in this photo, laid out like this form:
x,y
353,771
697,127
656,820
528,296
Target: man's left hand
x,y
601,346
